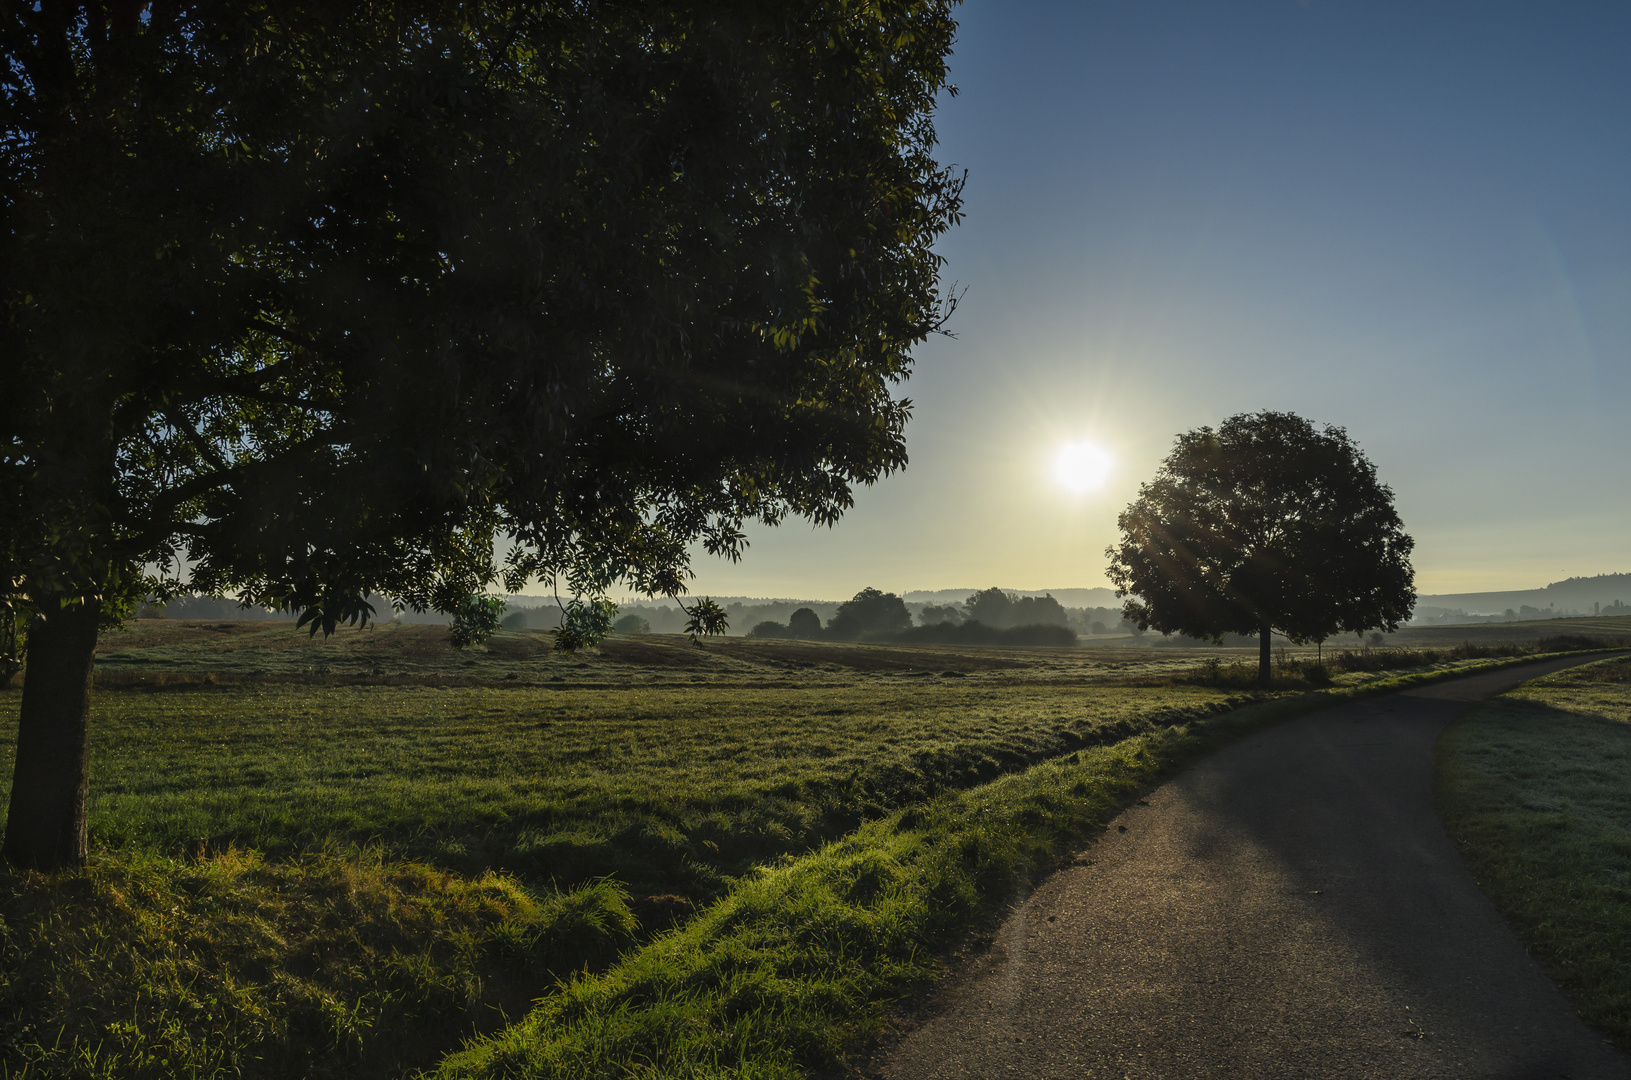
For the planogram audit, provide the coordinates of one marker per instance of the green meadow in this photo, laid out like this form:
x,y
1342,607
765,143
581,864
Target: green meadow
x,y
352,857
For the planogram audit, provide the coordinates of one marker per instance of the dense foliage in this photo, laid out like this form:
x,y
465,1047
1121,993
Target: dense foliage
x,y
1264,524
312,303
993,607
870,613
323,297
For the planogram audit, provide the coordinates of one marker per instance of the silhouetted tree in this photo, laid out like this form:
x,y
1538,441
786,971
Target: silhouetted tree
x,y
1038,611
769,628
804,623
312,303
632,624
869,613
1265,524
989,607
993,607
935,614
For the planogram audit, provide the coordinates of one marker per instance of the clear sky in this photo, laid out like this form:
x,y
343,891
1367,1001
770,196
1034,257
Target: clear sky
x,y
1412,220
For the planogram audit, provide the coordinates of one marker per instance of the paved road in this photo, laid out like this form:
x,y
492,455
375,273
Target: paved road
x,y
1289,907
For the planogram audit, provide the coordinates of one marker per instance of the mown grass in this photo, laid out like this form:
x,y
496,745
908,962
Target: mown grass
x,y
673,791
1536,788
349,879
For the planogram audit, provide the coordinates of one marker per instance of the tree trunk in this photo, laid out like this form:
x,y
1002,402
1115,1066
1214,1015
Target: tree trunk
x,y
45,829
1264,675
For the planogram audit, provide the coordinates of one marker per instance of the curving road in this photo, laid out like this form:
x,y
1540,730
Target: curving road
x,y
1289,907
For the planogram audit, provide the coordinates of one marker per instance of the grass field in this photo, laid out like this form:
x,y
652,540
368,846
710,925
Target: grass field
x,y
1536,788
1608,628
671,766
173,652
344,857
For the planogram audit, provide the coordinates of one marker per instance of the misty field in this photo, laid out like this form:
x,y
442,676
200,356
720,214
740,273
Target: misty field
x,y
345,857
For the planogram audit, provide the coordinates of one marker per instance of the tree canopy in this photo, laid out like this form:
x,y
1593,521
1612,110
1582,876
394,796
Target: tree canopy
x,y
1265,524
869,613
804,623
993,607
314,303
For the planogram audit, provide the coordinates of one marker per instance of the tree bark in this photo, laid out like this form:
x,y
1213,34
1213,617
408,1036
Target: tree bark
x,y
1264,675
45,828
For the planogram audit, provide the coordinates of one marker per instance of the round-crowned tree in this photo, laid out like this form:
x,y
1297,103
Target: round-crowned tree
x,y
1265,524
804,623
314,303
869,613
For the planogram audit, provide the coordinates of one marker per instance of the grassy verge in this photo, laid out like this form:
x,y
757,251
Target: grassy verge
x,y
326,966
1536,788
798,963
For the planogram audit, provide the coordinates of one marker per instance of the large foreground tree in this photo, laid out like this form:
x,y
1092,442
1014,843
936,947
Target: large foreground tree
x,y
312,303
1264,524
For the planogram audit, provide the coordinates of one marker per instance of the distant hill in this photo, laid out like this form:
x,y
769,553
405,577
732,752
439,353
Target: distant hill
x,y
1577,595
1080,598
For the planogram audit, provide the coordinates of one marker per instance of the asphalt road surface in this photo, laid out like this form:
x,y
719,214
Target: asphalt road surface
x,y
1289,907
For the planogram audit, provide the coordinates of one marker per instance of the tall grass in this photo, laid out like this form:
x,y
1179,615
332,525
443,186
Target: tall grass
x,y
788,971
150,967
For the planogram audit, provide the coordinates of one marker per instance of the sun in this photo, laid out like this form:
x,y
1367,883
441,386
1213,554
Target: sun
x,y
1082,467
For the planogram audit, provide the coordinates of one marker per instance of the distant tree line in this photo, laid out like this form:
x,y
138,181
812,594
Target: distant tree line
x,y
992,609
987,617
1426,615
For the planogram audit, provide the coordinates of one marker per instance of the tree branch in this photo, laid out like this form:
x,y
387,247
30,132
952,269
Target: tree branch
x,y
199,443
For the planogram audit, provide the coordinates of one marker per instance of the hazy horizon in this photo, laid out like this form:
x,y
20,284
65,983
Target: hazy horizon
x,y
1073,596
1411,222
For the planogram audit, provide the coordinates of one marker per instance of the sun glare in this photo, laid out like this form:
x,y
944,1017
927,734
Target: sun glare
x,y
1082,467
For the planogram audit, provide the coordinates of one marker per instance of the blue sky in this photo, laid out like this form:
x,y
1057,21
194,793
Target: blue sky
x,y
1410,220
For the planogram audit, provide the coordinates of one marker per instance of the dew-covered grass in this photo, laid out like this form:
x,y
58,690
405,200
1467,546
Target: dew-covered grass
x,y
1536,788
